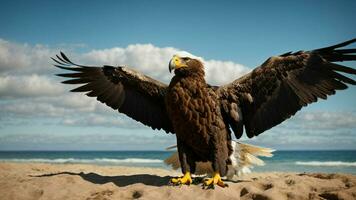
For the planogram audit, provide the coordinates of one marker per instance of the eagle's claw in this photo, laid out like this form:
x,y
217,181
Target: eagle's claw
x,y
215,180
184,180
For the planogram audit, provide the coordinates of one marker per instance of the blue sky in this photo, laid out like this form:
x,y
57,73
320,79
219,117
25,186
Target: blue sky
x,y
38,113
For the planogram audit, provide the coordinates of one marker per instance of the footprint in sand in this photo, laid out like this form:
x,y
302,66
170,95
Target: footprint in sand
x,y
290,182
136,194
329,196
243,192
267,186
259,197
100,195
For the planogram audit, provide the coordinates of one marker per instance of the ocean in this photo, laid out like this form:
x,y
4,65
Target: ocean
x,y
286,161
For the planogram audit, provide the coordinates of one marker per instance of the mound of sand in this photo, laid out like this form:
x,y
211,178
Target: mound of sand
x,y
70,181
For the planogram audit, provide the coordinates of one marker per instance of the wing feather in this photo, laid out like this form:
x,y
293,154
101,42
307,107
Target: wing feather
x,y
132,93
282,85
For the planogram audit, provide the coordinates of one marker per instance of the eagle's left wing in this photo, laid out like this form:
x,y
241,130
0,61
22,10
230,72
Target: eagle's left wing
x,y
282,85
121,88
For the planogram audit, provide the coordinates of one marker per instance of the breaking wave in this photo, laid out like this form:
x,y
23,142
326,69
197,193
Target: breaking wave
x,y
327,163
91,161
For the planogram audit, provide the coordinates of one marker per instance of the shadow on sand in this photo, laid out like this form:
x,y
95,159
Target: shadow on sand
x,y
120,181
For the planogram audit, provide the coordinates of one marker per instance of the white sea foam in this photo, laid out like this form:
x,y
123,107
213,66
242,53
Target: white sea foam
x,y
95,160
327,163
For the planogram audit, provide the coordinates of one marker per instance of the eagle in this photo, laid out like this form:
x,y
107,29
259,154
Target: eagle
x,y
203,117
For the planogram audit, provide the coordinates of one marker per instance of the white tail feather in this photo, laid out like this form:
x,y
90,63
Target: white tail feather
x,y
243,158
255,150
253,160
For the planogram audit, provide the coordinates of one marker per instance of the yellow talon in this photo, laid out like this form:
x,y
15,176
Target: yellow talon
x,y
186,179
215,180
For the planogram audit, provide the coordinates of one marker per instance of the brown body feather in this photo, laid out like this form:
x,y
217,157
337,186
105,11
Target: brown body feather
x,y
201,115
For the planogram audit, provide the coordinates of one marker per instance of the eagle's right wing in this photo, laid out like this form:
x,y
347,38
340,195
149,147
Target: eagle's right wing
x,y
132,93
282,85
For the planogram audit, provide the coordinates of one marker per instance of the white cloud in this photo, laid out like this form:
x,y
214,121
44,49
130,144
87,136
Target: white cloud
x,y
93,119
153,61
12,86
24,58
325,120
144,58
287,138
66,105
31,110
222,72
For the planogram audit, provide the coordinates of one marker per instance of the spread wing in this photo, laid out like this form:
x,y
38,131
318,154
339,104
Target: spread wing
x,y
132,93
284,84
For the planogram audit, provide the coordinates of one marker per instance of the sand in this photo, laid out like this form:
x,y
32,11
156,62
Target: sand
x,y
73,181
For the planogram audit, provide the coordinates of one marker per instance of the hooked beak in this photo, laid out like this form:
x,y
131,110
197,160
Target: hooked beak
x,y
175,63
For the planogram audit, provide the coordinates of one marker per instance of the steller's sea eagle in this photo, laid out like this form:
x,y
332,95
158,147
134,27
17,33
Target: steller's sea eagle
x,y
203,116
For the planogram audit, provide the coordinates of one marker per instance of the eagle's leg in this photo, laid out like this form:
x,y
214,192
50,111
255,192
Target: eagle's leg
x,y
187,165
218,164
215,180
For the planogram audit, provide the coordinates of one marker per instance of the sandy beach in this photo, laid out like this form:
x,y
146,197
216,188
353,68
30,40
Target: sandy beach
x,y
77,181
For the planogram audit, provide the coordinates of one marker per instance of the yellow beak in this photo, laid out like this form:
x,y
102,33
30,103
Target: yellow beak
x,y
176,62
